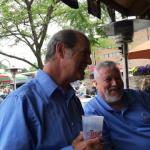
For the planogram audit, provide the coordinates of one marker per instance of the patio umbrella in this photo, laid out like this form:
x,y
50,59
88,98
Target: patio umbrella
x,y
4,79
142,51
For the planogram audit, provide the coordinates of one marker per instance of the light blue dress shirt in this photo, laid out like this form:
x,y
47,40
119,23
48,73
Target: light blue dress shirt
x,y
128,129
39,116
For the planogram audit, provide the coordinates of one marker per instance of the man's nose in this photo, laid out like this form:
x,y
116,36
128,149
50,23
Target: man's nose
x,y
89,60
114,82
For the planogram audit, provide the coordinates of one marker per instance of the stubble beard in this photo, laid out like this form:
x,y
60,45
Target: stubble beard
x,y
112,99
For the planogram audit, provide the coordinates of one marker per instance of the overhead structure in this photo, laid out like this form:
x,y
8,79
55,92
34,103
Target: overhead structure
x,y
141,51
139,8
141,54
4,79
125,28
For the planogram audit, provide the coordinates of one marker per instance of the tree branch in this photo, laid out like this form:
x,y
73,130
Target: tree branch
x,y
28,4
22,59
19,3
31,1
23,39
45,25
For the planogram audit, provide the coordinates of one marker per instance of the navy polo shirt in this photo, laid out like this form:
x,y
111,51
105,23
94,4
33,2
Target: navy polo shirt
x,y
127,129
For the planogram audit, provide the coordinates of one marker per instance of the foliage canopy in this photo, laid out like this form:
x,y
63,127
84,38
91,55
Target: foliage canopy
x,y
27,21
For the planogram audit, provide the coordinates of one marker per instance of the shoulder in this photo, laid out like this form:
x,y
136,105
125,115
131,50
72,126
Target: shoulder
x,y
21,94
137,93
132,94
23,101
145,96
91,103
138,96
91,107
26,90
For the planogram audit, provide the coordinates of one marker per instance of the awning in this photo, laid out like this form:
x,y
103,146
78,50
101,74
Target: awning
x,y
4,79
142,51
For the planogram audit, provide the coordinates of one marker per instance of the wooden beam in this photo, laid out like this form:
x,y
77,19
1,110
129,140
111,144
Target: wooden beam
x,y
114,5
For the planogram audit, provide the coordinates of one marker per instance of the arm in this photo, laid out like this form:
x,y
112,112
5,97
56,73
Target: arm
x,y
14,131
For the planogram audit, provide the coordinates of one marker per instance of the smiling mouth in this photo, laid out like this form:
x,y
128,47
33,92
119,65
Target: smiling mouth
x,y
115,90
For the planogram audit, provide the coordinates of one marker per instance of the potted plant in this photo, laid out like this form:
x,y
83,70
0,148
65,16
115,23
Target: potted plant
x,y
138,74
141,70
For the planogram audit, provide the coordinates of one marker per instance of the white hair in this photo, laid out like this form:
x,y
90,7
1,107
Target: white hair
x,y
103,64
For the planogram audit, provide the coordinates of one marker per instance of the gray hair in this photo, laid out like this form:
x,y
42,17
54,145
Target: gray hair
x,y
68,36
110,64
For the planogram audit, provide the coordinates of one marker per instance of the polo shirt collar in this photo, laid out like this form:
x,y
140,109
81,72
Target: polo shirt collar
x,y
49,86
103,103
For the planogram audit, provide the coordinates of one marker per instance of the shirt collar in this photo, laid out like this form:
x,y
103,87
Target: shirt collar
x,y
46,82
49,86
102,102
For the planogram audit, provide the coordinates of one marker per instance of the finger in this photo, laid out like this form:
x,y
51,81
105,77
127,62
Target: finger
x,y
79,138
95,144
78,143
94,141
101,139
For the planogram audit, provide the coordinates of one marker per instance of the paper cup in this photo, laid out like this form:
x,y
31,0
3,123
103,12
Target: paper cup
x,y
92,126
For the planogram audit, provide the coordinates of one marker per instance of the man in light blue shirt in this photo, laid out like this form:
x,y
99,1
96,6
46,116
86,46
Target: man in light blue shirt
x,y
45,114
126,112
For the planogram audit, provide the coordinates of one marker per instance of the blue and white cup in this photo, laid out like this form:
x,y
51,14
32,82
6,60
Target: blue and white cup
x,y
92,126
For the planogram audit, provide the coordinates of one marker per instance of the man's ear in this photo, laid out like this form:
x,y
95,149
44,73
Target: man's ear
x,y
60,49
95,83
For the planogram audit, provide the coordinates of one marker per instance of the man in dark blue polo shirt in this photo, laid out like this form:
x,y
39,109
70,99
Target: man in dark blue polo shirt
x,y
126,112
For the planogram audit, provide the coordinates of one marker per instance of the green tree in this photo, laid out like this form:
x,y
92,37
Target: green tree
x,y
32,68
81,20
27,21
